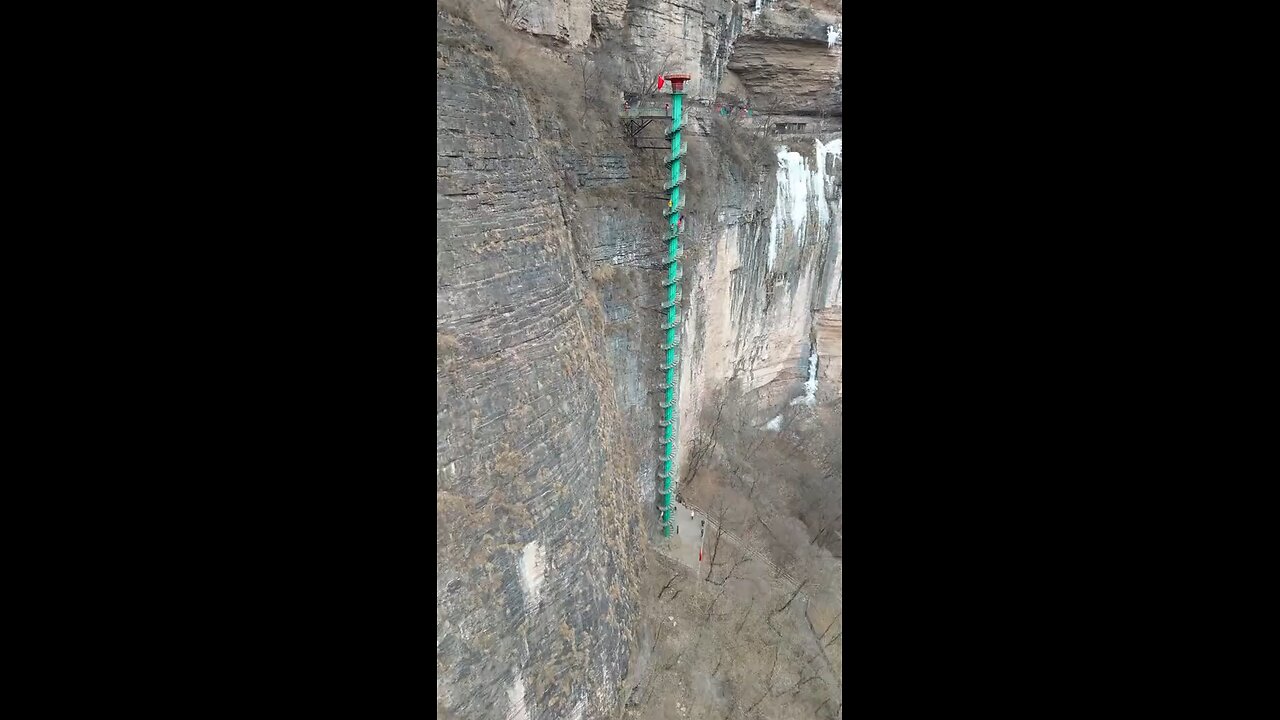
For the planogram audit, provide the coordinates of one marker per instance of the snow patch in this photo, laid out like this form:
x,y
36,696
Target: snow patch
x,y
811,385
797,186
775,424
532,562
820,183
810,396
518,709
791,201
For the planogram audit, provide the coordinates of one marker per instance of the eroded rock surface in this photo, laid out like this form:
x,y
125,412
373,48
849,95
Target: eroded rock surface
x,y
536,544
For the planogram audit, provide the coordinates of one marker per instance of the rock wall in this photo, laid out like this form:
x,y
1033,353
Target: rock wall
x,y
693,37
766,290
538,536
764,242
572,22
788,57
546,410
756,296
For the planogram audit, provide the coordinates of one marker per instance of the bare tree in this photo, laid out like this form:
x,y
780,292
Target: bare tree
x,y
768,685
808,674
791,599
746,613
742,558
705,441
714,600
826,527
822,649
720,520
668,587
833,622
515,12
715,550
674,661
591,75
642,81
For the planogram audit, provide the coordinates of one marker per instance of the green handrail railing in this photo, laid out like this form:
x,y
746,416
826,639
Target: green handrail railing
x,y
674,214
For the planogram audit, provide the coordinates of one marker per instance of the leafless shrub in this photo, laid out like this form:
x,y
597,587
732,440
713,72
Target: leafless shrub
x,y
515,12
523,412
747,148
595,308
507,463
783,480
447,344
744,660
590,78
640,82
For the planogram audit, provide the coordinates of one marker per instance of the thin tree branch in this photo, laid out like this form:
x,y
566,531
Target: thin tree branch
x,y
668,585
793,596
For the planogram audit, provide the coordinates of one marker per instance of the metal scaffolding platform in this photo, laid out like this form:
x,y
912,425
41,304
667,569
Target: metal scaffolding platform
x,y
636,119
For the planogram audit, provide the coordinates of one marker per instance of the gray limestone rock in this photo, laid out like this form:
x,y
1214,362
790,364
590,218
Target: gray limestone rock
x,y
537,533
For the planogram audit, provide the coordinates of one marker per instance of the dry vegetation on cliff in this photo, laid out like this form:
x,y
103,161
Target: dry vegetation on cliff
x,y
572,93
739,641
784,482
757,631
748,147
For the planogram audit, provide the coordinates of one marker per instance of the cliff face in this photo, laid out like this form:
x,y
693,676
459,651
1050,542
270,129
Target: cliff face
x,y
764,272
571,22
789,58
536,549
766,292
546,415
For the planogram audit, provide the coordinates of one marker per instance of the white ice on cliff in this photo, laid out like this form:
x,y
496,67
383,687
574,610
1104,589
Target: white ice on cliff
x,y
796,184
810,396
